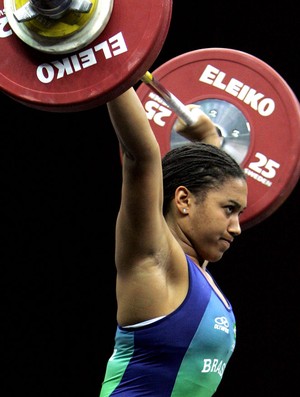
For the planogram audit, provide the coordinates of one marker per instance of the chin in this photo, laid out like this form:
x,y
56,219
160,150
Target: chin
x,y
214,258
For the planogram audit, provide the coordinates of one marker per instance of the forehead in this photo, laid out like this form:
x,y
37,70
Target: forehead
x,y
234,189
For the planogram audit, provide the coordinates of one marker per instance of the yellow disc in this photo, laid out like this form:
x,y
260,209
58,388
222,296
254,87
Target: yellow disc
x,y
70,23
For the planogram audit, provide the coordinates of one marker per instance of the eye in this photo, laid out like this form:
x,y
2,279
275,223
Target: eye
x,y
229,209
233,209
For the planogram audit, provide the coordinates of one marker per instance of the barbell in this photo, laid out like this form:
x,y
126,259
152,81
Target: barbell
x,y
70,55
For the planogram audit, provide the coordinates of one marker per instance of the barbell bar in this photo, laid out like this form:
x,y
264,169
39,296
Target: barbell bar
x,y
179,108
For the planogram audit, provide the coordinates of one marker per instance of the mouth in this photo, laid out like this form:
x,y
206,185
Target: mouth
x,y
226,242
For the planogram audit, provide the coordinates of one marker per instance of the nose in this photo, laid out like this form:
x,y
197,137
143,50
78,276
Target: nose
x,y
234,227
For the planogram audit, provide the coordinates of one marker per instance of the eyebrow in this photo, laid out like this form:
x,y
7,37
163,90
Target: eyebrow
x,y
236,204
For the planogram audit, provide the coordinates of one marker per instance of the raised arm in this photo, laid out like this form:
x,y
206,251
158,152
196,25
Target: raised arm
x,y
140,218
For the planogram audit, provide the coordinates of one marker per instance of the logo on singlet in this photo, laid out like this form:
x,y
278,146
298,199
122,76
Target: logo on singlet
x,y
222,324
215,365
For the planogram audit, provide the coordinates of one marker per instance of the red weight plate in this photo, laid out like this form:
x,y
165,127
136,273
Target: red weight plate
x,y
114,61
255,107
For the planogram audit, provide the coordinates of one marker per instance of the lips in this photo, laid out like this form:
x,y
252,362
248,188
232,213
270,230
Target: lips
x,y
226,242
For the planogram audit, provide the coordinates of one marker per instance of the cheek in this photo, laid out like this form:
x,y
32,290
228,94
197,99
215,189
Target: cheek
x,y
211,223
205,221
211,215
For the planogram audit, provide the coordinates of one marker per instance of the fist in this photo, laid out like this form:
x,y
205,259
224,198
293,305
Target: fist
x,y
202,130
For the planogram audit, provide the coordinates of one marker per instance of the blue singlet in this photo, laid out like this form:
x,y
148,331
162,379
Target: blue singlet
x,y
183,354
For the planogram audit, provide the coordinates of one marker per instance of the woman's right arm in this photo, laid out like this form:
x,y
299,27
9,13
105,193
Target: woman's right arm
x,y
140,220
132,126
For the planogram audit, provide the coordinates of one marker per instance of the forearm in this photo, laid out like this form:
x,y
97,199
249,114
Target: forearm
x,y
131,124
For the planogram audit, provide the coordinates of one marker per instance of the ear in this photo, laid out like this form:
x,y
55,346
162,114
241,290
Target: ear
x,y
182,199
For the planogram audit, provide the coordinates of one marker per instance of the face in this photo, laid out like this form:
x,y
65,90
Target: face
x,y
214,222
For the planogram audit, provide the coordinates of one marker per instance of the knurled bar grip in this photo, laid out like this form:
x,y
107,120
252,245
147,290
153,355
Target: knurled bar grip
x,y
179,108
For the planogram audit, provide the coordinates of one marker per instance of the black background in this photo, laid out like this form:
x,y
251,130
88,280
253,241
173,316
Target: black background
x,y
60,182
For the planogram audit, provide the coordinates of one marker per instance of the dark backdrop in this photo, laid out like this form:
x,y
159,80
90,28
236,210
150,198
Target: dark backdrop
x,y
60,181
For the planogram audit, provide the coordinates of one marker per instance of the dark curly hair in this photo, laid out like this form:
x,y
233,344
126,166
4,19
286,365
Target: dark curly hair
x,y
199,167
